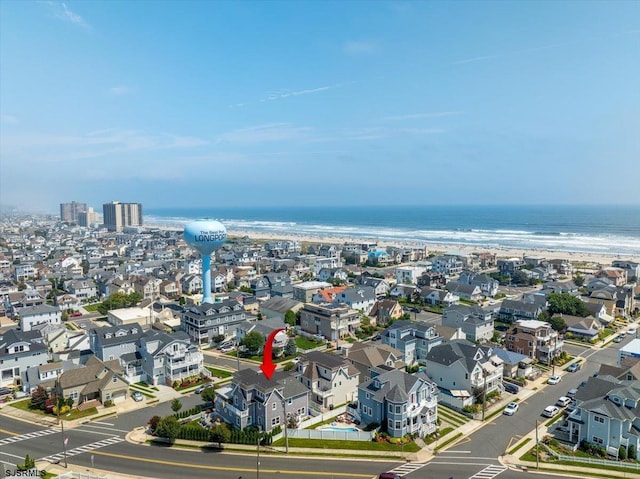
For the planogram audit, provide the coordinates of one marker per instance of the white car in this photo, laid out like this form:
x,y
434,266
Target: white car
x,y
631,331
554,380
563,401
550,411
511,409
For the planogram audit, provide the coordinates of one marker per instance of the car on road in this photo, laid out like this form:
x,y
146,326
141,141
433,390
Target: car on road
x,y
550,411
618,339
201,388
572,392
390,475
631,331
563,401
511,388
574,367
511,409
137,396
554,380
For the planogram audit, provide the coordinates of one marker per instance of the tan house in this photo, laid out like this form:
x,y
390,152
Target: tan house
x,y
535,339
96,380
386,310
617,276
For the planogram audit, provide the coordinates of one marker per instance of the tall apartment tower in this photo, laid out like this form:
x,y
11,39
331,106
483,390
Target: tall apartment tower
x,y
88,217
69,211
118,215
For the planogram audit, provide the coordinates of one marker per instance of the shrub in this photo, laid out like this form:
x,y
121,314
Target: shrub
x,y
153,422
622,453
631,453
108,403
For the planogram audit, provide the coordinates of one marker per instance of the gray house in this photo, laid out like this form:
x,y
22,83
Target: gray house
x,y
463,370
20,350
253,400
401,403
112,342
476,323
202,323
414,339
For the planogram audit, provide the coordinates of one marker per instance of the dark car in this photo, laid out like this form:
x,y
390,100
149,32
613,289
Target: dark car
x,y
511,388
390,475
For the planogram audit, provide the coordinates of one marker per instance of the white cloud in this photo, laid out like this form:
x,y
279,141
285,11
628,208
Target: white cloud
x,y
419,116
265,133
64,13
119,90
359,48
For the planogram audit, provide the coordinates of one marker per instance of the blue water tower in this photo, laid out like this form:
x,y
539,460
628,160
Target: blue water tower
x,y
206,236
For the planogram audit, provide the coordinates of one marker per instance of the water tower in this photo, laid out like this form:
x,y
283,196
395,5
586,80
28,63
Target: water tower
x,y
206,236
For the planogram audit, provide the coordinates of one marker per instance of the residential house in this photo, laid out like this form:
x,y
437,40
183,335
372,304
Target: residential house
x,y
514,310
438,297
331,379
447,265
360,298
170,288
147,287
277,307
67,302
632,268
404,403
560,287
470,292
120,285
588,327
133,315
380,286
514,365
325,274
617,276
404,291
204,322
366,357
562,267
164,358
507,267
253,400
20,350
385,311
449,334
44,375
111,342
533,338
82,289
409,274
488,286
191,284
414,339
97,380
432,279
332,321
328,295
42,314
464,371
477,323
265,328
260,288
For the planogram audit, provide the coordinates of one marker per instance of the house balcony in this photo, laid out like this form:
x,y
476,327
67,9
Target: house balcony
x,y
185,361
551,347
230,409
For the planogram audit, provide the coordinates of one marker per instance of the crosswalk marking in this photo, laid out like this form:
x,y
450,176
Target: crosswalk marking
x,y
82,449
409,467
489,472
24,437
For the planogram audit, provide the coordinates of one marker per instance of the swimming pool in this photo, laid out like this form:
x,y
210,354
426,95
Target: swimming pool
x,y
339,429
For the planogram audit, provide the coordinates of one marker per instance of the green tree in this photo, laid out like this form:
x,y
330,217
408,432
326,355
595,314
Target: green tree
x,y
39,398
29,463
209,394
253,342
557,323
291,349
578,280
565,303
168,427
176,405
220,433
631,454
290,318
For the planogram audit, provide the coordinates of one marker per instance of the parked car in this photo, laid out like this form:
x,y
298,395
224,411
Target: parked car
x,y
572,393
202,387
511,409
550,411
631,331
554,380
376,338
574,367
224,345
511,388
137,396
563,401
227,349
618,339
390,475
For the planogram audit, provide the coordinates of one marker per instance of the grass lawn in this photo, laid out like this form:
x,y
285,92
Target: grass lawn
x,y
352,445
221,373
522,444
306,343
75,414
24,405
92,308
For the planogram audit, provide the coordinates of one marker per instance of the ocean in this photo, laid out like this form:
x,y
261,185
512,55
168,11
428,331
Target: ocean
x,y
613,230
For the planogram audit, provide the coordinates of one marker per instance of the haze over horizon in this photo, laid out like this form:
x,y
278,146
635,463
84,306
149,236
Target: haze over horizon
x,y
175,104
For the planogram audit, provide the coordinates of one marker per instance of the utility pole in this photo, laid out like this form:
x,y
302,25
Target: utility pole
x,y
258,456
537,451
553,358
286,426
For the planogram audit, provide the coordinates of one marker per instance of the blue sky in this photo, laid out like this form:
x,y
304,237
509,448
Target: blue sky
x,y
313,103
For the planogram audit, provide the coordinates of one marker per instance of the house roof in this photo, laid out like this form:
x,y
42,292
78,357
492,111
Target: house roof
x,y
92,375
458,350
283,381
14,336
38,309
280,304
394,385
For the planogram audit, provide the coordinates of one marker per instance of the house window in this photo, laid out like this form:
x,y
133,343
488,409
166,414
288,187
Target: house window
x,y
390,408
273,406
275,421
389,423
397,409
115,379
598,419
597,440
398,426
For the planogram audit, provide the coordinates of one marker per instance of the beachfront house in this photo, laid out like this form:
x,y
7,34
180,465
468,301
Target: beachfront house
x,y
477,323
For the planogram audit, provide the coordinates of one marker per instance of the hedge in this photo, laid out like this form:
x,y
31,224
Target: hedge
x,y
188,412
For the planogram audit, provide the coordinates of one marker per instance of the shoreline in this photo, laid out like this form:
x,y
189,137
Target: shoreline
x,y
500,251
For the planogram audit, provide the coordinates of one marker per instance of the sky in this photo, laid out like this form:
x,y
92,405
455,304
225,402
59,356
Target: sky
x,y
269,103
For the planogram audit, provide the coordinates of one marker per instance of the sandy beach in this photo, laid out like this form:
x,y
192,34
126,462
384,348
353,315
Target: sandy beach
x,y
584,259
574,257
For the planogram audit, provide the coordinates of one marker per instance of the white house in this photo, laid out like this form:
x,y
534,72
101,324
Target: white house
x,y
41,314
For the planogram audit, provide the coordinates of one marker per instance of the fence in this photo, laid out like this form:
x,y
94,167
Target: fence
x,y
330,435
593,460
322,417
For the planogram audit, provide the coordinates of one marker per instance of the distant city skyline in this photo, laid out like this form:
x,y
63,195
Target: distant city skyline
x,y
174,104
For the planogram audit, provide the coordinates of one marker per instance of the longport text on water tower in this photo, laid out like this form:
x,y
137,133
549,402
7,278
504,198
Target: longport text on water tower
x,y
206,236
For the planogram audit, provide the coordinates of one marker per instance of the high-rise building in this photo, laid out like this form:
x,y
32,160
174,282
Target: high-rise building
x,y
69,211
87,218
118,215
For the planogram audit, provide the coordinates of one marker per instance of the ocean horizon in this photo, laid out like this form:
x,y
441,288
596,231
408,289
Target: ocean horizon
x,y
611,230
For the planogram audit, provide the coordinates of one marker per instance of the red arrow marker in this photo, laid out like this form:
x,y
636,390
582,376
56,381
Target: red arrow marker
x,y
267,365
